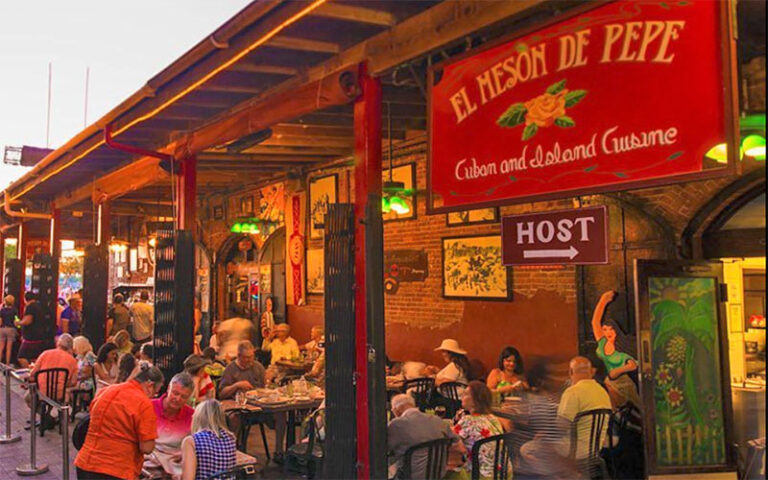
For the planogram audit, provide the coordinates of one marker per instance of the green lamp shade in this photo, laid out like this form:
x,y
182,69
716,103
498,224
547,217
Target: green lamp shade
x,y
385,206
754,146
236,228
399,206
718,153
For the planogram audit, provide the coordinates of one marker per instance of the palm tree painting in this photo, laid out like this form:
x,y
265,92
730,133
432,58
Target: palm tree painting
x,y
686,372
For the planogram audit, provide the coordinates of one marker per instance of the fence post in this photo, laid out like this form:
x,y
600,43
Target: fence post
x,y
64,419
32,468
8,437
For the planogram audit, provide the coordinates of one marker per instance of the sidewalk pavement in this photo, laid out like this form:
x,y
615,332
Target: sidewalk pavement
x,y
49,447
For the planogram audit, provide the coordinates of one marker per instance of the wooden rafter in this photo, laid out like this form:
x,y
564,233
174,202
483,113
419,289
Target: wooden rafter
x,y
304,44
351,13
229,88
261,68
256,158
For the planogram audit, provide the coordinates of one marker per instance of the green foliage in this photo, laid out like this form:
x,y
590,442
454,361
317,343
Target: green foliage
x,y
573,97
556,88
530,131
514,116
565,122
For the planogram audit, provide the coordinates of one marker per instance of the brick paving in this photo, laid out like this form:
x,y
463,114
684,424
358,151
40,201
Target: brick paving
x,y
49,447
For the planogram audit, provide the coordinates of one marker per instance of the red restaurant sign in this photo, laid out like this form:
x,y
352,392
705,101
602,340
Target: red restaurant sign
x,y
624,95
573,237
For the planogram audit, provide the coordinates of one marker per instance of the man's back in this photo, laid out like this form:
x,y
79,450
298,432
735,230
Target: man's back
x,y
56,358
583,396
411,428
142,314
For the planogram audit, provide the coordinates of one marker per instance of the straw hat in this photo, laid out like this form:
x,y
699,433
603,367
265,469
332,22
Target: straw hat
x,y
451,345
195,362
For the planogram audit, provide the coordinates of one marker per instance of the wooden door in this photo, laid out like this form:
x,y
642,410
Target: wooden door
x,y
685,382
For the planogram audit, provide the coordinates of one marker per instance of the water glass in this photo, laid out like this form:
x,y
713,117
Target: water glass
x,y
241,399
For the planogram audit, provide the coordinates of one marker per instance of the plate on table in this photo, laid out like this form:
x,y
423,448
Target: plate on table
x,y
259,392
273,400
302,398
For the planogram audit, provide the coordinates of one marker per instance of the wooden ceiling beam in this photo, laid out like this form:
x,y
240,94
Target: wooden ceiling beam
x,y
304,44
240,157
226,88
261,68
288,140
321,151
351,13
125,179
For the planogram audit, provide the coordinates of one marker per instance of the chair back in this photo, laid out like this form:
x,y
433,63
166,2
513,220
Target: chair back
x,y
502,446
434,465
81,431
450,390
421,390
238,472
594,423
54,384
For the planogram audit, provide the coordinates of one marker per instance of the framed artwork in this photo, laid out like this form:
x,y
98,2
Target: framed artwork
x,y
218,212
265,279
322,192
407,175
472,217
472,268
246,205
315,271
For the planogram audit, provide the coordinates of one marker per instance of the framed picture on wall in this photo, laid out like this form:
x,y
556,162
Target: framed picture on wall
x,y
246,205
218,212
322,192
472,268
472,217
315,271
407,175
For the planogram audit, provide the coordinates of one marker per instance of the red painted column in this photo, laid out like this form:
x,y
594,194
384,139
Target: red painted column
x,y
2,263
55,241
21,254
187,195
103,229
367,180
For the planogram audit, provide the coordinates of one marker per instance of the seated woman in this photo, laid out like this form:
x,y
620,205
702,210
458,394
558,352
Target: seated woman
x,y
126,367
105,368
204,388
211,447
479,424
123,342
509,377
86,359
457,368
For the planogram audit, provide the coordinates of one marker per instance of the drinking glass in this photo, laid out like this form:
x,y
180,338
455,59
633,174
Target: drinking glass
x,y
241,399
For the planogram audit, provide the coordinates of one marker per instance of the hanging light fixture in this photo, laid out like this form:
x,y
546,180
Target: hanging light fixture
x,y
393,193
754,146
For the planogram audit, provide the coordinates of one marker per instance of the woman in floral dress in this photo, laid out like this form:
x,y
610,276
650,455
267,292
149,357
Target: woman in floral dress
x,y
476,425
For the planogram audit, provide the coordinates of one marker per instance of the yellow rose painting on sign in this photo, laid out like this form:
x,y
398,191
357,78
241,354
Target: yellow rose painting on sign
x,y
547,109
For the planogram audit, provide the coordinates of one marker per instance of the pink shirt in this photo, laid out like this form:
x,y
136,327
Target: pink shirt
x,y
55,358
171,430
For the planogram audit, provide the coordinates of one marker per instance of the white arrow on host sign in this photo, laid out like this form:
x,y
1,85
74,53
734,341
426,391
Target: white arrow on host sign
x,y
565,253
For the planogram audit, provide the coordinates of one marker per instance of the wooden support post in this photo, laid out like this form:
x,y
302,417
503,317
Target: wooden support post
x,y
186,195
103,230
21,254
367,185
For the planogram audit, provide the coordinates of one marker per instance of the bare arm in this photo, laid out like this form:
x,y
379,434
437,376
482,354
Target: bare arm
x,y
628,367
64,325
493,379
26,320
597,315
188,459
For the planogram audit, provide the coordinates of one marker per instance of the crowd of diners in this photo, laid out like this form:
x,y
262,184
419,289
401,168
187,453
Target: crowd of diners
x,y
185,434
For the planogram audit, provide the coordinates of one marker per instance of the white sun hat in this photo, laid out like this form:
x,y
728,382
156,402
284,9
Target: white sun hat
x,y
451,345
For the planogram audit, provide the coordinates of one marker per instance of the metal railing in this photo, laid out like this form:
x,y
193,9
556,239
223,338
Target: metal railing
x,y
33,468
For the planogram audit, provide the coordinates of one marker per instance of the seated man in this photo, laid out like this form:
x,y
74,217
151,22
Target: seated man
x,y
244,374
546,453
281,344
59,357
174,422
409,428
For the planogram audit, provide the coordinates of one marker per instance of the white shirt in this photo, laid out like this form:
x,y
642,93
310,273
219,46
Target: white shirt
x,y
451,373
584,395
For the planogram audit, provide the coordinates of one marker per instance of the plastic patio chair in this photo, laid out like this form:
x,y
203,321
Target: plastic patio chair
x,y
421,390
597,420
307,457
238,472
435,462
502,446
452,399
55,388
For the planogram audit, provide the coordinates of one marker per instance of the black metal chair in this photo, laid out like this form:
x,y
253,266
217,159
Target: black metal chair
x,y
306,458
502,446
247,420
421,390
81,398
249,470
54,387
590,463
451,398
434,464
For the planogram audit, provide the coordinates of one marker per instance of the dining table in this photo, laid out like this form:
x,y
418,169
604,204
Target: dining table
x,y
254,410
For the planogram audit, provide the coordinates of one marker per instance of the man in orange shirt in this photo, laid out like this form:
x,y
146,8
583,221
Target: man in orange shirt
x,y
59,357
122,429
